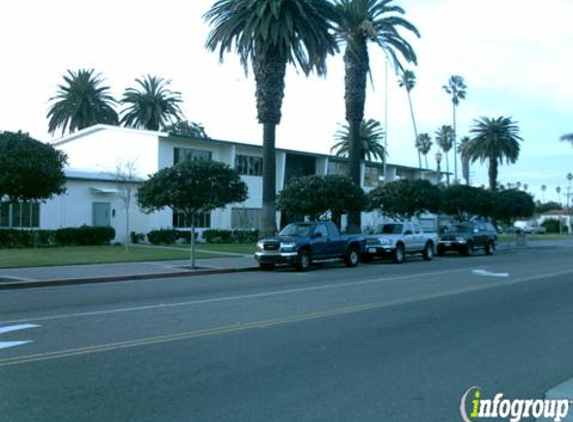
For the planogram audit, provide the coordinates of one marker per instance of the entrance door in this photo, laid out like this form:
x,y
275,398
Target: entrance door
x,y
101,214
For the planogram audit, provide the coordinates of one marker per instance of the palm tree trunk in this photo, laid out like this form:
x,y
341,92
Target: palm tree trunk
x,y
269,225
426,159
447,168
356,70
415,128
269,70
455,147
492,173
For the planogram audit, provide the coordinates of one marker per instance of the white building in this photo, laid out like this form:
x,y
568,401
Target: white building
x,y
93,194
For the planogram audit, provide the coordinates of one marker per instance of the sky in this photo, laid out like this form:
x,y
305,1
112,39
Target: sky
x,y
513,54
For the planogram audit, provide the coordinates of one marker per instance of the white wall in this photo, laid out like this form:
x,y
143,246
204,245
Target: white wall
x,y
101,149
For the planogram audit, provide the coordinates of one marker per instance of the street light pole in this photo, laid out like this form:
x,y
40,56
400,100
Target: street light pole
x,y
438,161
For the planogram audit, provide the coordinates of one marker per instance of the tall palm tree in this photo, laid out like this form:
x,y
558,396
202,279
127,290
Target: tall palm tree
x,y
151,105
269,34
424,145
371,135
408,81
445,136
558,190
494,139
464,142
456,87
543,189
81,101
358,22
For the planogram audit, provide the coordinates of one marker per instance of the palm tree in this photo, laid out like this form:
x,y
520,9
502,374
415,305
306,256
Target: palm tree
x,y
371,135
187,128
408,81
152,105
568,137
358,22
271,34
494,139
543,189
558,190
445,139
81,102
456,87
424,145
465,159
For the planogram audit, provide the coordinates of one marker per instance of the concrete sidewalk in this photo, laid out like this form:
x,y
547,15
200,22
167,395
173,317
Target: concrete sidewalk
x,y
11,278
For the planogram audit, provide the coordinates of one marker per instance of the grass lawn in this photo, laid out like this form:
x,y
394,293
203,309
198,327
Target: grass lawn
x,y
535,237
241,248
12,258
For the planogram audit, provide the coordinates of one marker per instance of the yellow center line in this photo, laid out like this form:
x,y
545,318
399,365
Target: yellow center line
x,y
233,328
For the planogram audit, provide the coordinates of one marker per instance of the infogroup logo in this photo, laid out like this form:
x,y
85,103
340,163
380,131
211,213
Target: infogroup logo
x,y
514,410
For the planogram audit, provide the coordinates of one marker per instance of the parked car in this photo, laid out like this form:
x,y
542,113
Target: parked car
x,y
465,238
529,227
302,244
396,240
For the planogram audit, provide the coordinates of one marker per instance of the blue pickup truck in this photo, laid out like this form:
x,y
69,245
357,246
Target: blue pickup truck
x,y
302,244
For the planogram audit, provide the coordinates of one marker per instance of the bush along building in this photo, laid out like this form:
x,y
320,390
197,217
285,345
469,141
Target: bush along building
x,y
106,164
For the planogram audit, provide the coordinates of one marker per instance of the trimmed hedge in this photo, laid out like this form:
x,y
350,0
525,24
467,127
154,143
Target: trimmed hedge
x,y
231,236
170,236
69,236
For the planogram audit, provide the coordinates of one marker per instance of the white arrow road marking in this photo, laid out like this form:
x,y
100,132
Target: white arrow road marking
x,y
489,273
3,330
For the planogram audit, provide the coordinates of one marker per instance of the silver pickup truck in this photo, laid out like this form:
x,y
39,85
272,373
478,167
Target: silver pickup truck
x,y
396,240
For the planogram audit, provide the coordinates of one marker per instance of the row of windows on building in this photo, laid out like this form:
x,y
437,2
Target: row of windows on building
x,y
19,215
248,165
241,218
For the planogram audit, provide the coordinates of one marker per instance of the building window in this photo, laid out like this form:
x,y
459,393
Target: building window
x,y
249,165
202,221
371,177
19,215
336,167
246,218
190,154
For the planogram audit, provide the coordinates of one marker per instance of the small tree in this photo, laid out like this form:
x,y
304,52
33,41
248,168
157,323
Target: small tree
x,y
314,196
29,169
405,199
463,202
187,128
510,204
125,177
192,188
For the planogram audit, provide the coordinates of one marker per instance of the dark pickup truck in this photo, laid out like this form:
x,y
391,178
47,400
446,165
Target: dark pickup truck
x,y
302,244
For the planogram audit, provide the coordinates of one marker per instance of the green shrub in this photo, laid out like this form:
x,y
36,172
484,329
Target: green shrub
x,y
245,236
84,236
217,236
552,226
80,236
137,237
162,236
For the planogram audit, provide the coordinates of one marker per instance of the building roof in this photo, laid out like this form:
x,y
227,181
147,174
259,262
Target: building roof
x,y
75,174
102,127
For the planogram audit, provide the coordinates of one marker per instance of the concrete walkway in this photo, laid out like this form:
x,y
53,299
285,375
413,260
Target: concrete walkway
x,y
72,274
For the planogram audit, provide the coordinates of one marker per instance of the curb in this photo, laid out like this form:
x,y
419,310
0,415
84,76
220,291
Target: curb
x,y
128,277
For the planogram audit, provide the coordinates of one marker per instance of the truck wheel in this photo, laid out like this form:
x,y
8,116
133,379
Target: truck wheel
x,y
366,258
352,257
428,253
490,248
468,250
267,266
398,257
303,261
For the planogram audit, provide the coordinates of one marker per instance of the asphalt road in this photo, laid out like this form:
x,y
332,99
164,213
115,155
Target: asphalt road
x,y
380,342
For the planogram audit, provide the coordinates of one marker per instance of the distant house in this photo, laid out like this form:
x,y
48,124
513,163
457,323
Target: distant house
x,y
92,196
